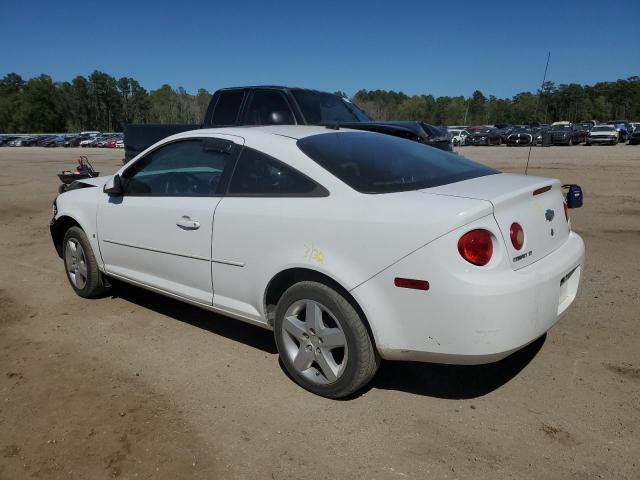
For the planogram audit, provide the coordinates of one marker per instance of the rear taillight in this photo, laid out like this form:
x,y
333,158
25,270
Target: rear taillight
x,y
476,247
517,235
566,211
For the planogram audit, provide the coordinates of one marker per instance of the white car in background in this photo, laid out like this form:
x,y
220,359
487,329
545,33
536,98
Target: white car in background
x,y
459,136
602,134
351,246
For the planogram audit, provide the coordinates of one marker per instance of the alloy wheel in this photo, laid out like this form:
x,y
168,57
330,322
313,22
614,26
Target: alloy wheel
x,y
314,341
75,263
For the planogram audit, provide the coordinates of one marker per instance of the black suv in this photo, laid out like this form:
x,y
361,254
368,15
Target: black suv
x,y
277,105
567,134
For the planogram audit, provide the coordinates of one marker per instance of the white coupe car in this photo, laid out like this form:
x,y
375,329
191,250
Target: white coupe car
x,y
352,246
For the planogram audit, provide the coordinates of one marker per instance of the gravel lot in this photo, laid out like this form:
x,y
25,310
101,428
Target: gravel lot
x,y
140,386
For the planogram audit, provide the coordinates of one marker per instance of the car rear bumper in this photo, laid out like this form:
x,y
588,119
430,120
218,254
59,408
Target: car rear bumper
x,y
467,317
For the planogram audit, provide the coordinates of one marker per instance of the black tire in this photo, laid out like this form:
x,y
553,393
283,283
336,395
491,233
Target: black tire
x,y
362,361
95,284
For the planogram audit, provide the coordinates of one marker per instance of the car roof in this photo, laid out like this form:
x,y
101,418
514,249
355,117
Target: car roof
x,y
294,132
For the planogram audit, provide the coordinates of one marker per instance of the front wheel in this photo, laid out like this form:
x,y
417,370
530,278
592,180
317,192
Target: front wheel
x,y
323,342
81,265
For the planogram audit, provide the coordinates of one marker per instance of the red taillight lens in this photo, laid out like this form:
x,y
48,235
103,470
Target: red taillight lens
x,y
566,211
517,235
476,247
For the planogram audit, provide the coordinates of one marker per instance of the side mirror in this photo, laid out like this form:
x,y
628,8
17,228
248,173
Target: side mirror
x,y
114,186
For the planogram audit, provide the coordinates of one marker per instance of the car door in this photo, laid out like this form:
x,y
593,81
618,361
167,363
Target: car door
x,y
266,205
158,232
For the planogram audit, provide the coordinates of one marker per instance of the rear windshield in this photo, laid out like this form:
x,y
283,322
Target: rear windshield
x,y
377,163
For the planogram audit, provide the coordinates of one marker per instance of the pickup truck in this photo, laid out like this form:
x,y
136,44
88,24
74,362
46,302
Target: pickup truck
x,y
277,105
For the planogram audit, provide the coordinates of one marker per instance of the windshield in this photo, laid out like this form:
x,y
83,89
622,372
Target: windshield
x,y
320,108
603,129
376,163
561,127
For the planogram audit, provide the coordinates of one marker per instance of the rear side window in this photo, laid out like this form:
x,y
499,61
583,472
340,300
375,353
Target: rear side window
x,y
269,107
227,108
376,163
259,174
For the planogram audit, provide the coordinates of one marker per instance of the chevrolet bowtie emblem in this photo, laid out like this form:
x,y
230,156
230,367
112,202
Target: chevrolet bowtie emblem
x,y
549,214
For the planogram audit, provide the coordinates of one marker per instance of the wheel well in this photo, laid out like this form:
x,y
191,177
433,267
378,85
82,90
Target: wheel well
x,y
59,228
287,278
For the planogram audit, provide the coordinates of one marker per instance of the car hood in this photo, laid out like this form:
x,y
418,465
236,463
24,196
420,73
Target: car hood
x,y
96,181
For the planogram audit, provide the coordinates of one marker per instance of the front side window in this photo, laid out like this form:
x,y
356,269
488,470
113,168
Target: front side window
x,y
377,163
259,174
188,168
269,107
321,108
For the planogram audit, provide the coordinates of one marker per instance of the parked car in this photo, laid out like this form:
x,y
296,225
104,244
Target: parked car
x,y
44,139
458,137
585,126
603,134
277,105
5,140
505,130
634,138
53,141
120,143
102,141
354,271
484,136
72,141
589,123
623,127
87,142
522,137
566,133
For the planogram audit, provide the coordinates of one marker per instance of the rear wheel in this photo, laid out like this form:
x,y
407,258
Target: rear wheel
x,y
81,265
322,341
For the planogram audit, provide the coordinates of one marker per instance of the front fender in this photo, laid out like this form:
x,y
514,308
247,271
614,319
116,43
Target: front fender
x,y
77,207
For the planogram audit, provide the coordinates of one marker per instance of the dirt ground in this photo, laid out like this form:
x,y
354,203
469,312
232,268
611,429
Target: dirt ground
x,y
140,386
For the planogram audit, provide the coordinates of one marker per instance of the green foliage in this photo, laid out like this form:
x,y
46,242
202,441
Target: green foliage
x,y
572,102
98,102
102,102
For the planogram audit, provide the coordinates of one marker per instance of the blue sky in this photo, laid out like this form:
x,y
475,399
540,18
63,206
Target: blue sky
x,y
442,48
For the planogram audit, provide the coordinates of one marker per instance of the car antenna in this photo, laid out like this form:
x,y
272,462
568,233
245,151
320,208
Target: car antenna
x,y
335,126
544,79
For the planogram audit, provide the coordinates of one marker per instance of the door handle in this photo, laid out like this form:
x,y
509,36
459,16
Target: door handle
x,y
186,223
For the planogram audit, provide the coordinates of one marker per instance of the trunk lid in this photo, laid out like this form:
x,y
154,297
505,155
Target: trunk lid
x,y
536,203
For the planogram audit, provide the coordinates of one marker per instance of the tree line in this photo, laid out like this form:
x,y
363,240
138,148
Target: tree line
x,y
102,102
97,102
619,100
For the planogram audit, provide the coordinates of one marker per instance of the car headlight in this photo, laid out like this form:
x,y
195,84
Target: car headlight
x,y
55,208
